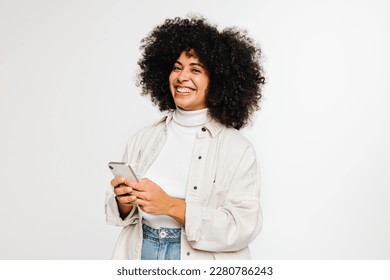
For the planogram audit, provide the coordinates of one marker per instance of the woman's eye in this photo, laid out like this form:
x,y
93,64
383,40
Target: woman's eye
x,y
195,71
176,68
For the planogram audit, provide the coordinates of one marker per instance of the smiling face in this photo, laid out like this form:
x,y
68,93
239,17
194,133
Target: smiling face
x,y
188,82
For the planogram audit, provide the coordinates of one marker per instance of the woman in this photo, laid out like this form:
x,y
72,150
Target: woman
x,y
199,196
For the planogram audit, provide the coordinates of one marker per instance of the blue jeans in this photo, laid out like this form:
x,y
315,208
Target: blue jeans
x,y
160,244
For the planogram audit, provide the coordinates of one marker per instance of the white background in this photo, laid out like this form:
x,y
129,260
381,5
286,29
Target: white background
x,y
68,105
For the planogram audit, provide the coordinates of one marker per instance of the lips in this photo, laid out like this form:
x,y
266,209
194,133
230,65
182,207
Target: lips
x,y
184,91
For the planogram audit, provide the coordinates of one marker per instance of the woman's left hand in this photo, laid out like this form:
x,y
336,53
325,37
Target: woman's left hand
x,y
152,199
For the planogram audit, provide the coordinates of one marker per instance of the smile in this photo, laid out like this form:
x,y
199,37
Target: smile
x,y
183,91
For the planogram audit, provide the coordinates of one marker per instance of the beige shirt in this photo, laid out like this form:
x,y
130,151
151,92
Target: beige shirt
x,y
223,213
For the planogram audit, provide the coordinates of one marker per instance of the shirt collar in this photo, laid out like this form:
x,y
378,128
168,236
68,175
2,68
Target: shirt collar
x,y
214,127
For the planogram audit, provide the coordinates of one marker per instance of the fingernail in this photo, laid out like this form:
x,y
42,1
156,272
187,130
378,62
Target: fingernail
x,y
123,179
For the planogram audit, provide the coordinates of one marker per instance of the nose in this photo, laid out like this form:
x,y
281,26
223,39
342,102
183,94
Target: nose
x,y
183,76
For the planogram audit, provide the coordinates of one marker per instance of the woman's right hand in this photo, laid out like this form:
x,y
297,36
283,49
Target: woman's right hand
x,y
122,189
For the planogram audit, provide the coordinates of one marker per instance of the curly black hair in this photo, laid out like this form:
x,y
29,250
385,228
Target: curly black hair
x,y
231,58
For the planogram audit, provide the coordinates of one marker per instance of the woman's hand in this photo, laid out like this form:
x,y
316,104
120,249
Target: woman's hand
x,y
152,199
123,194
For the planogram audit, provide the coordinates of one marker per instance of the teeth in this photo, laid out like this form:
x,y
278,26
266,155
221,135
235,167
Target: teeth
x,y
183,90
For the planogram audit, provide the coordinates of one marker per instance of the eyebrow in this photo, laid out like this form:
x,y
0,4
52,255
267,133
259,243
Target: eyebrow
x,y
191,64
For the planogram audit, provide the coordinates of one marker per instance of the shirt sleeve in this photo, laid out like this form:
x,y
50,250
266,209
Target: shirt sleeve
x,y
234,224
112,212
111,209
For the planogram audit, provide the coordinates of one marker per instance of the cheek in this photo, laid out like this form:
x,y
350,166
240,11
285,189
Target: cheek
x,y
205,84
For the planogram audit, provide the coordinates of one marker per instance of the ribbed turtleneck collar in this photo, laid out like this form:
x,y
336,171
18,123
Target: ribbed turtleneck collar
x,y
191,118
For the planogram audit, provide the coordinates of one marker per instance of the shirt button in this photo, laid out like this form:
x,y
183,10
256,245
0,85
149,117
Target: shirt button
x,y
195,187
203,129
163,234
199,157
188,253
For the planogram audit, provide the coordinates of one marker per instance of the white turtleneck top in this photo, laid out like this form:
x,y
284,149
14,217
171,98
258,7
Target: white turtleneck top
x,y
171,167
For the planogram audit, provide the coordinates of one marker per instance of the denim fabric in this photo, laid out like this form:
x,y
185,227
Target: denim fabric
x,y
160,244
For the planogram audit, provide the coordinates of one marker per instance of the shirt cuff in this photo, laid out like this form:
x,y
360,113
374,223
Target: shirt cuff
x,y
113,215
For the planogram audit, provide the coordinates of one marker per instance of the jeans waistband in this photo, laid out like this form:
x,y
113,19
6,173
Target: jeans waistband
x,y
162,234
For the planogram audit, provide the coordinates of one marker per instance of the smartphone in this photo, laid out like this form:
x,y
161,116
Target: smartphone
x,y
122,169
